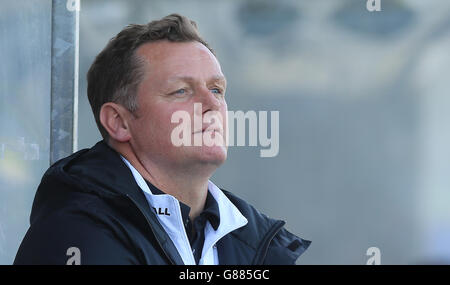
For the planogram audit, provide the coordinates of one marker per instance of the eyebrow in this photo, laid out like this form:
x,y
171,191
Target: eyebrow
x,y
191,79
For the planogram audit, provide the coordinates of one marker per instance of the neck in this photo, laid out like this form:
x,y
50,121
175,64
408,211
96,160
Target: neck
x,y
186,184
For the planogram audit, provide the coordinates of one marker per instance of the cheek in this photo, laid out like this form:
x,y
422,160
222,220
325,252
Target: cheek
x,y
162,120
153,124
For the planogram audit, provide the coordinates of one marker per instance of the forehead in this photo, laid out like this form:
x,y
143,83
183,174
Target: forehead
x,y
166,58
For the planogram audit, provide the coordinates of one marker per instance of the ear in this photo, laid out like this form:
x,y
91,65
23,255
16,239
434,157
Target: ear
x,y
114,119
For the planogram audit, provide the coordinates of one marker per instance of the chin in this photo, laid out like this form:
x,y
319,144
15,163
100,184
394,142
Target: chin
x,y
213,155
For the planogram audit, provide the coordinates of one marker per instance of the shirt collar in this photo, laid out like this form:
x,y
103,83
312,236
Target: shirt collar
x,y
210,210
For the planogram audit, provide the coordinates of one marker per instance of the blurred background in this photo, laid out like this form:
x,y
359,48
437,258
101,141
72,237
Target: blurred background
x,y
363,99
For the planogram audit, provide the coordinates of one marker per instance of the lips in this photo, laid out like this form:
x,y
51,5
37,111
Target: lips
x,y
210,129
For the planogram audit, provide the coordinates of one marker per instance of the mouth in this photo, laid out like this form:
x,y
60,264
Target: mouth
x,y
209,129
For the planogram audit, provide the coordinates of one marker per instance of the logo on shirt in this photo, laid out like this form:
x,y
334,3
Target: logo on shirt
x,y
159,211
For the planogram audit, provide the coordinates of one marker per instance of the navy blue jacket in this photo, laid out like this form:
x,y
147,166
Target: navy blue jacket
x,y
91,201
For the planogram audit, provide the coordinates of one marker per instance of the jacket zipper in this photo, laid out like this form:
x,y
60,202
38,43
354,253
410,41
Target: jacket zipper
x,y
153,231
265,247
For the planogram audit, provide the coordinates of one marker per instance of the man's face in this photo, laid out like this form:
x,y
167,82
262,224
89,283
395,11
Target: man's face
x,y
177,76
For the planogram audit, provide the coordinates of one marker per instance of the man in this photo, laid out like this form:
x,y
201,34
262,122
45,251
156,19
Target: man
x,y
137,197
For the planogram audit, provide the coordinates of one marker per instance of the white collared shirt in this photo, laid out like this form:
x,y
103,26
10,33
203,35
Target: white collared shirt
x,y
169,215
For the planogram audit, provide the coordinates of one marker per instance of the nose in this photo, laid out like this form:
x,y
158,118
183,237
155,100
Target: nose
x,y
209,100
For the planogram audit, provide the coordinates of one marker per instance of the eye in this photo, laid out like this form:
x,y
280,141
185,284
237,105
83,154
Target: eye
x,y
180,91
216,91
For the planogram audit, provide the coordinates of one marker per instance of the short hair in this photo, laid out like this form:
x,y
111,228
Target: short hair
x,y
117,71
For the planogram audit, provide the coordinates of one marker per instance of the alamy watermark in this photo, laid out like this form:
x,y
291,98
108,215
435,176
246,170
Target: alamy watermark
x,y
375,256
373,5
73,5
75,256
209,129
